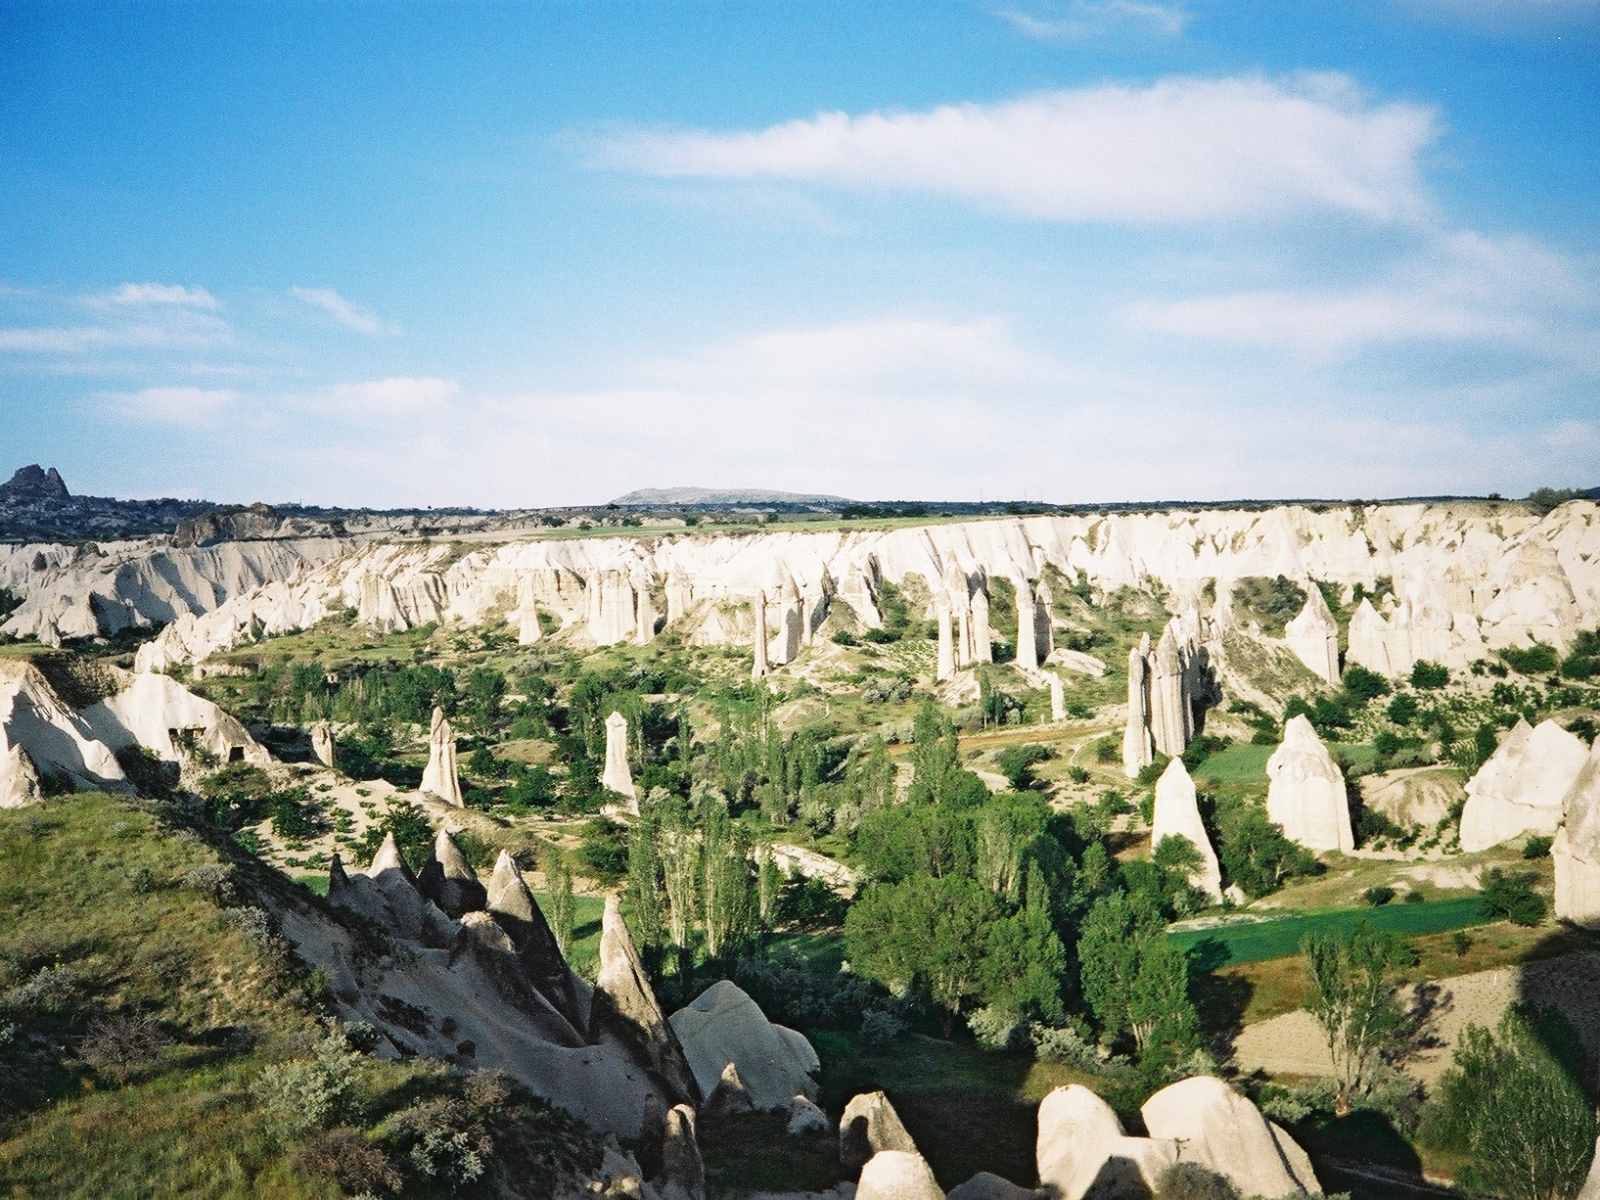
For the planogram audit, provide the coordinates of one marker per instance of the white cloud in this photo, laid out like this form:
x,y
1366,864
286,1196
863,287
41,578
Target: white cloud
x,y
346,313
86,339
1462,287
387,396
1082,19
158,293
173,405
1182,150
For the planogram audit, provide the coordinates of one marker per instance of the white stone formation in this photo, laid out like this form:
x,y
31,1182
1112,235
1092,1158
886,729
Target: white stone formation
x,y
898,1175
527,614
645,612
322,748
1027,627
1177,812
1044,635
19,779
1137,747
982,646
439,778
946,665
1520,789
1058,697
785,647
1577,846
758,667
723,1026
1307,797
617,776
1225,1133
1171,722
1082,1150
1313,635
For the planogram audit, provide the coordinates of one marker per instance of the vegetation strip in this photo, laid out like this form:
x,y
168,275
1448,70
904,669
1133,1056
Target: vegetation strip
x,y
1280,938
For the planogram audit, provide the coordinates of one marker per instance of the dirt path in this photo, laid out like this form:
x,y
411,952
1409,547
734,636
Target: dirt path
x,y
1292,1044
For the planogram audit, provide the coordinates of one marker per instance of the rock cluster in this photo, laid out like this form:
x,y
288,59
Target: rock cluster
x,y
440,778
1168,689
1306,797
483,983
1177,813
1522,787
1083,1151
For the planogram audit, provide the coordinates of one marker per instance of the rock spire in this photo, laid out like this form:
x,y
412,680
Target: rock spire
x,y
1520,789
617,777
1137,747
1307,795
1177,813
1313,635
758,668
322,743
440,779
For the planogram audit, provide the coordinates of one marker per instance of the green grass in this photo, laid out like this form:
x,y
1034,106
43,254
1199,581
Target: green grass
x,y
1236,764
1281,937
583,956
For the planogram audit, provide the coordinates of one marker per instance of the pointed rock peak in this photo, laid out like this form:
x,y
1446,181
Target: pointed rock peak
x,y
450,858
1177,775
438,720
1315,611
616,721
389,858
337,879
1144,644
508,891
1299,732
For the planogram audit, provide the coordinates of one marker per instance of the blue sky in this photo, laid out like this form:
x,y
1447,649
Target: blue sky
x,y
542,253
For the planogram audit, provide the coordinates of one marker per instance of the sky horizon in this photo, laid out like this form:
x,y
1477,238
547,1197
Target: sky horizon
x,y
1074,251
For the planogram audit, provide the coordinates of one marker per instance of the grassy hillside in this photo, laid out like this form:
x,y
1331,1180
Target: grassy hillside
x,y
158,1039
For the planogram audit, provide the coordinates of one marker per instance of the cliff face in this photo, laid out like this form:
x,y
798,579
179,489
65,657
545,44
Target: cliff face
x,y
1467,577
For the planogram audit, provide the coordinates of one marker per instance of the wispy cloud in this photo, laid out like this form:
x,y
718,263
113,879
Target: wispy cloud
x,y
1463,287
345,312
157,293
172,405
1083,19
386,396
86,339
1180,151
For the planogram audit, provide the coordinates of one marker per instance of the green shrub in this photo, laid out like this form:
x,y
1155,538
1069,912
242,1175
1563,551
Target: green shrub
x,y
1428,675
1508,897
1537,846
1537,659
310,1093
1378,896
1363,684
1191,1181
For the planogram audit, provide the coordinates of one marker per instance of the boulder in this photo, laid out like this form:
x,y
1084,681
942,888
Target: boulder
x,y
1082,1151
322,749
1224,1132
1520,788
1177,812
683,1173
984,1186
1577,847
806,1118
625,1005
1313,635
898,1175
723,1027
1307,796
440,778
19,779
870,1125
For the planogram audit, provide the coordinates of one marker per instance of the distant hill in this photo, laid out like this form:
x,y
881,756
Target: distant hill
x,y
648,497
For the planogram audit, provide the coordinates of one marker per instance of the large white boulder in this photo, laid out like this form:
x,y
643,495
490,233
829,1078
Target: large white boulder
x,y
1224,1132
1177,812
1520,789
898,1175
1082,1151
986,1186
1307,795
723,1025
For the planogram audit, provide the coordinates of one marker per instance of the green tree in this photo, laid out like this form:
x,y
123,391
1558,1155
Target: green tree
x,y
725,880
1254,851
558,878
1353,1002
1006,829
1134,979
644,880
1512,1103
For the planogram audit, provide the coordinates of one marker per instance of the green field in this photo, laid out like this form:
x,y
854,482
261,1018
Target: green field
x,y
1236,764
1280,938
